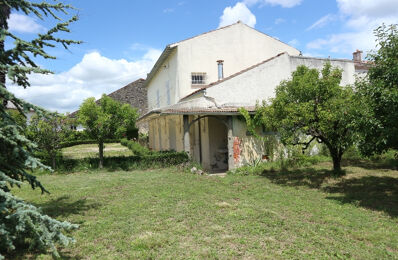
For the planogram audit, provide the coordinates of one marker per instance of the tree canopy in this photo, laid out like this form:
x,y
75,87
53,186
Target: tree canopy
x,y
22,224
106,119
379,94
312,106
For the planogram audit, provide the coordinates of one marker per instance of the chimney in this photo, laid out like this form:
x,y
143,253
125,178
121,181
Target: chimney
x,y
220,69
357,56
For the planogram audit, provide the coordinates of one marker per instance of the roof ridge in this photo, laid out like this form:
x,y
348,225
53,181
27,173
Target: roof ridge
x,y
234,75
221,28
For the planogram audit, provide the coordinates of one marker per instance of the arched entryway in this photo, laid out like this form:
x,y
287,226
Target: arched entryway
x,y
211,143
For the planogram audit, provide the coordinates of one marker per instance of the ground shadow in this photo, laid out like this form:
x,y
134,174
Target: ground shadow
x,y
372,192
63,207
310,177
370,165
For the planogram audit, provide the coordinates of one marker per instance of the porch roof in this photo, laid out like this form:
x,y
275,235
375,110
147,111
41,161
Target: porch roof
x,y
195,111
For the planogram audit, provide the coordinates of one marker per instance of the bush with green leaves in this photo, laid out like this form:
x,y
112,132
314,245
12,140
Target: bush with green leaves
x,y
293,162
153,160
378,93
49,133
87,141
23,225
135,147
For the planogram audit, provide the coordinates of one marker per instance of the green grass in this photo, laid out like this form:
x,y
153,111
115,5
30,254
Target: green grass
x,y
91,151
167,214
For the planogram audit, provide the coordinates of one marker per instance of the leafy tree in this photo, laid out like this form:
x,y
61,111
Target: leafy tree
x,y
107,120
48,133
379,94
311,107
22,224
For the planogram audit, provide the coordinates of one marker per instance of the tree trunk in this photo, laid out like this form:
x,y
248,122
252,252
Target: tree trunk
x,y
336,157
101,154
336,163
54,156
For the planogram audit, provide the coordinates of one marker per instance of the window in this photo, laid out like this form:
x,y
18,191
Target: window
x,y
198,78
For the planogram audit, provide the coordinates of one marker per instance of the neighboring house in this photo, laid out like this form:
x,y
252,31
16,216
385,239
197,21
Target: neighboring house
x,y
197,86
28,115
134,94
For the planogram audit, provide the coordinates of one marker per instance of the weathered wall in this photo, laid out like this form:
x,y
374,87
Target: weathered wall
x,y
166,133
165,78
247,149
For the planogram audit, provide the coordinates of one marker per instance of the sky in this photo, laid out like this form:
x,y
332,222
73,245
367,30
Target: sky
x,y
122,39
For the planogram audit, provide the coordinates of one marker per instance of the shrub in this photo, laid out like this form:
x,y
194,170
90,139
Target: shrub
x,y
86,141
297,160
135,147
388,158
153,160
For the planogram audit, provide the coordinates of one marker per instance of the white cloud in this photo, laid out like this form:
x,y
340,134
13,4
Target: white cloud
x,y
360,18
168,10
369,8
23,24
283,3
279,21
322,21
236,13
91,77
294,42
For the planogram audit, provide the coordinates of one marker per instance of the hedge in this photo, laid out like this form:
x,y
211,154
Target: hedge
x,y
78,142
135,147
155,160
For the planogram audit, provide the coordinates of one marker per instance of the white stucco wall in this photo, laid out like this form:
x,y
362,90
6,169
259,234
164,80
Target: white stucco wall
x,y
259,83
167,74
239,45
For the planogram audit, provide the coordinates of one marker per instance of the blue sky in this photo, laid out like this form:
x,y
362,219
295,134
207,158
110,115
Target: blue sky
x,y
123,38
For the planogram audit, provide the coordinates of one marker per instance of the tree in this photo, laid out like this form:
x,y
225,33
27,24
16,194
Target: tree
x,y
379,94
48,133
312,107
21,223
108,119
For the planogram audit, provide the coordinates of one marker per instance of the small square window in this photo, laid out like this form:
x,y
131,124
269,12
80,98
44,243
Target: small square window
x,y
198,78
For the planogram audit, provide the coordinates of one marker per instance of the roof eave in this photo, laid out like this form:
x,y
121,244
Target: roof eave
x,y
165,54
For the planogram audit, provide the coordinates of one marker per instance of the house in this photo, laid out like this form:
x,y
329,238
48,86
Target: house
x,y
10,106
134,94
197,86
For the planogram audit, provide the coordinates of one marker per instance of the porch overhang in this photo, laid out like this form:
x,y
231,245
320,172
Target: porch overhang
x,y
225,111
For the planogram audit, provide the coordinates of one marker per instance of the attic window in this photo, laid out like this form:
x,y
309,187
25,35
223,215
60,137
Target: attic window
x,y
198,78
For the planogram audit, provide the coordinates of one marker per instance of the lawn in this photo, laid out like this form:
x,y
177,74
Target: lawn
x,y
169,214
91,150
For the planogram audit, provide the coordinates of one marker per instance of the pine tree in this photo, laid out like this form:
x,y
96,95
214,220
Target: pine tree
x,y
22,224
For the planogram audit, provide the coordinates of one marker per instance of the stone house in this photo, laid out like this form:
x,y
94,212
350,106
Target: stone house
x,y
197,86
